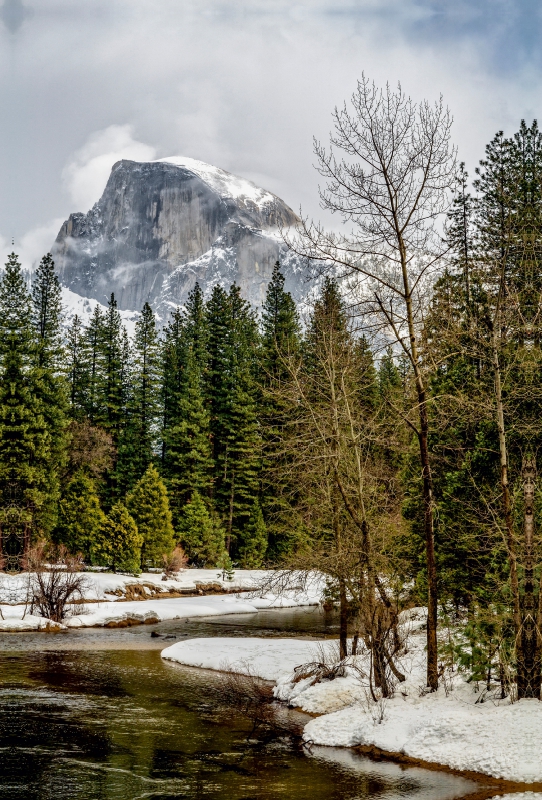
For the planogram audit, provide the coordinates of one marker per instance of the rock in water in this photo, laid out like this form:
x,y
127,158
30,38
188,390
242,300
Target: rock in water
x,y
161,226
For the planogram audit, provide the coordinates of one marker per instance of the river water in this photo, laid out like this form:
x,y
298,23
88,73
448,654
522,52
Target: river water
x,y
97,714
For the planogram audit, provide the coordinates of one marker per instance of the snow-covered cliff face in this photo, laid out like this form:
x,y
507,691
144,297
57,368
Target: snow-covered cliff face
x,y
161,226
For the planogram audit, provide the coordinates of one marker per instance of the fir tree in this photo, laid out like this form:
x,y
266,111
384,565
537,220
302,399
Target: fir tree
x,y
77,369
47,311
189,464
281,333
233,394
80,516
280,349
201,534
140,379
112,386
461,234
149,506
253,549
118,542
28,458
91,349
172,352
49,384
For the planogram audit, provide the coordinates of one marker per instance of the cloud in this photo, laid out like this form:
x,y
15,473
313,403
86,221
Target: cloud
x,y
243,84
37,242
86,173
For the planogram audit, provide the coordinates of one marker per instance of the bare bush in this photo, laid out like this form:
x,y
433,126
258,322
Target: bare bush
x,y
174,562
55,580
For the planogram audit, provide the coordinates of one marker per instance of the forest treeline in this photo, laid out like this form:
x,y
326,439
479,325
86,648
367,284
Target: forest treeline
x,y
399,458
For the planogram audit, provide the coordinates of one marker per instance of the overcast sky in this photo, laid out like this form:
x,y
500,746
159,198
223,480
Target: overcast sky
x,y
242,84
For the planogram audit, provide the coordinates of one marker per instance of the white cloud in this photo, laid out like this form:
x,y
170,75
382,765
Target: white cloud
x,y
37,242
87,171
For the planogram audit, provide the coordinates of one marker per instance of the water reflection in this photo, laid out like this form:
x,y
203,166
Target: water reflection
x,y
122,724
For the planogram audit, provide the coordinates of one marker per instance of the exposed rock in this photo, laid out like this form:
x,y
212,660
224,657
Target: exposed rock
x,y
161,226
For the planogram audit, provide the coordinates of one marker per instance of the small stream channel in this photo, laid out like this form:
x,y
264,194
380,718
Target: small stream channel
x,y
92,714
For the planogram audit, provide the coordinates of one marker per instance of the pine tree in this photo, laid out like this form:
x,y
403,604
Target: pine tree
x,y
118,542
196,327
233,394
80,517
280,349
140,379
173,346
187,459
201,534
253,549
77,369
149,506
28,480
49,383
189,463
281,332
47,312
91,350
461,235
112,369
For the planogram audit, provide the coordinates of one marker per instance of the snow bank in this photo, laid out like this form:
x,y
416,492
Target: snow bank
x,y
494,737
111,599
104,585
265,658
147,611
14,620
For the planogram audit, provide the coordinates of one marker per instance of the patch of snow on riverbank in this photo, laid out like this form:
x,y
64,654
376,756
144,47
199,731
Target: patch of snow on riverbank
x,y
265,658
14,620
494,737
104,585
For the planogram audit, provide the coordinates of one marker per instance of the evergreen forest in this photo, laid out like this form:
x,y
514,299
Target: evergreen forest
x,y
315,441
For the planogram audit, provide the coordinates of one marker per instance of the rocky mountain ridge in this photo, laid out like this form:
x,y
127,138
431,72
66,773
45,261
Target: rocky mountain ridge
x,y
161,226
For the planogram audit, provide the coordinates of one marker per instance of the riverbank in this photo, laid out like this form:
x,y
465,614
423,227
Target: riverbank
x,y
111,600
460,727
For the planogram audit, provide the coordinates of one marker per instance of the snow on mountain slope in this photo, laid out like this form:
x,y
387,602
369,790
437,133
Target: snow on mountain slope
x,y
73,304
160,226
226,184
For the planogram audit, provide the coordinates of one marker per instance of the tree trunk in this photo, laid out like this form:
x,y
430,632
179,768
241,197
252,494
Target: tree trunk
x,y
230,515
528,680
506,499
427,479
343,620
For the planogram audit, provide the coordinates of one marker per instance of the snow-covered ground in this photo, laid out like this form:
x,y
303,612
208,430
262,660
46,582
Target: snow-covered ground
x,y
105,594
451,727
112,586
267,658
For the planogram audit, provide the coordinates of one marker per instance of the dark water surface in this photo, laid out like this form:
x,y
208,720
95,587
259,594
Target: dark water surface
x,y
98,714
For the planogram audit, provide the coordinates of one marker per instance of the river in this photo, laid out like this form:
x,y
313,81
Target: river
x,y
97,714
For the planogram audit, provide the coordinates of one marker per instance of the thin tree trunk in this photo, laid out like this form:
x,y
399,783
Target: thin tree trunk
x,y
529,674
505,488
427,479
343,620
230,515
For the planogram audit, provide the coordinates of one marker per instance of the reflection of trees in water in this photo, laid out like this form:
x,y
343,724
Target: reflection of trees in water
x,y
122,724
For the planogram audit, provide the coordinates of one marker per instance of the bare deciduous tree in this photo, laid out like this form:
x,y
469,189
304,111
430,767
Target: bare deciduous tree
x,y
388,170
344,494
